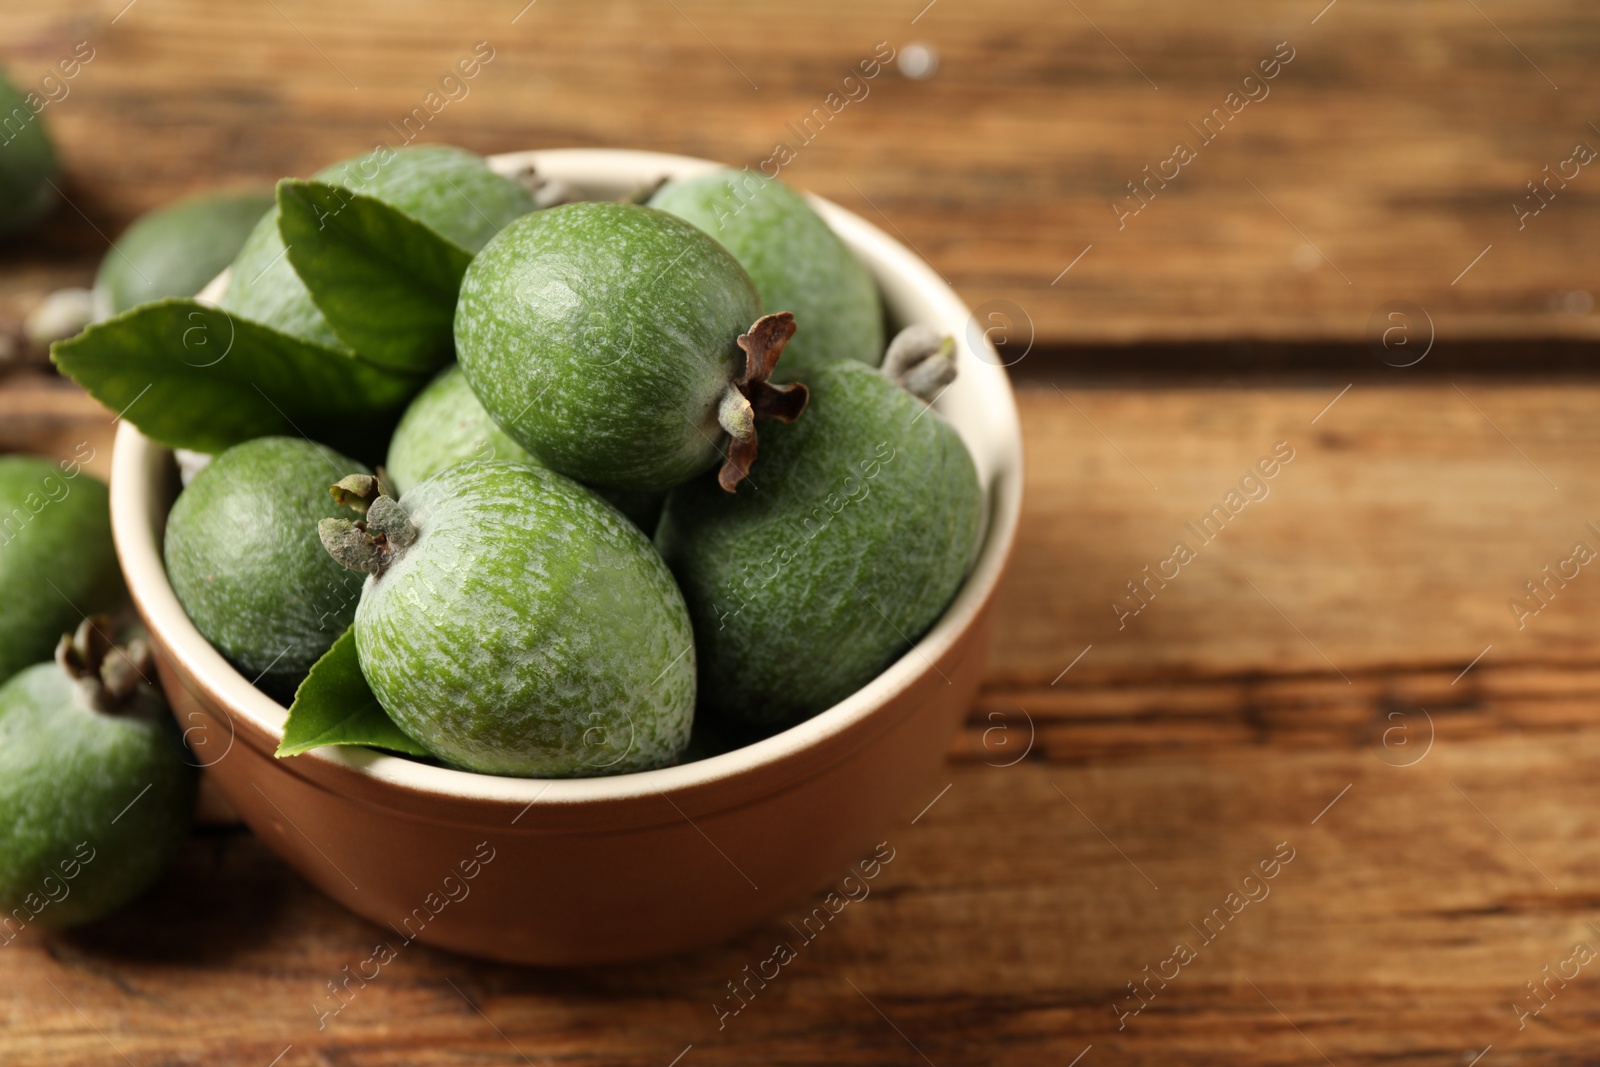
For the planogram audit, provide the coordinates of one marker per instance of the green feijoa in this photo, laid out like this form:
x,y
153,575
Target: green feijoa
x,y
515,624
860,531
96,788
176,250
263,287
606,340
27,161
450,190
446,425
57,562
797,263
243,556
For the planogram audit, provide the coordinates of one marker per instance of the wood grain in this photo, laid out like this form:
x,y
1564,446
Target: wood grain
x,y
51,417
1407,520
1443,825
1385,160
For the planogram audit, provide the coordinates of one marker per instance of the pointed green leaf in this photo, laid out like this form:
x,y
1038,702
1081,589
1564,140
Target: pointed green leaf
x,y
386,282
192,376
334,706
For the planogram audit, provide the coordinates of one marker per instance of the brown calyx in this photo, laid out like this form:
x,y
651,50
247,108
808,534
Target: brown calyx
x,y
108,674
754,396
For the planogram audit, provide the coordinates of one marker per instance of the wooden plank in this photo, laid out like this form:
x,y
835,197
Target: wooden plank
x,y
1379,167
1397,535
1004,931
49,416
1443,827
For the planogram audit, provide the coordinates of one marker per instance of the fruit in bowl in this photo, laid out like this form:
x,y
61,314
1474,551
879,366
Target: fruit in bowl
x,y
605,865
243,555
794,259
446,424
177,249
513,622
620,345
861,530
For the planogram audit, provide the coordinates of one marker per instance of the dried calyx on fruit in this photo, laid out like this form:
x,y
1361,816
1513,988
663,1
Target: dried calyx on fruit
x,y
108,676
367,544
753,395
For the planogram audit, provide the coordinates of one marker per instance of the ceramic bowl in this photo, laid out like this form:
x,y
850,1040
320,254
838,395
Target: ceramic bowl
x,y
582,871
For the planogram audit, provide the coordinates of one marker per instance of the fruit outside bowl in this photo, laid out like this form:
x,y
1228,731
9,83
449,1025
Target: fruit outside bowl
x,y
591,870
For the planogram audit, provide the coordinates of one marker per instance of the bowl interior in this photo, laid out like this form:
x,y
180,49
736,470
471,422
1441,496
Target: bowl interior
x,y
979,404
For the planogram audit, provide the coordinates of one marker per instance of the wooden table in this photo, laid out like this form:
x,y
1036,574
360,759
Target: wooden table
x,y
1378,164
1337,676
1337,670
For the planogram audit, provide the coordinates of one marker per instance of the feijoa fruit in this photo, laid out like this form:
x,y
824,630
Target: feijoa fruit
x,y
619,345
244,557
515,624
57,562
809,584
797,262
96,787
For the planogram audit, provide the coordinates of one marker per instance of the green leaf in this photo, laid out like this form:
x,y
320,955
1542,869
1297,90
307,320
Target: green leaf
x,y
193,376
386,282
334,706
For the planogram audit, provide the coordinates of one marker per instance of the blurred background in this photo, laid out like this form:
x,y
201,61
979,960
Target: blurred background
x,y
999,142
1194,232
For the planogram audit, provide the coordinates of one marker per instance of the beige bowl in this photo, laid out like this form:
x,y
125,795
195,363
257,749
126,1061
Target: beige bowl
x,y
579,871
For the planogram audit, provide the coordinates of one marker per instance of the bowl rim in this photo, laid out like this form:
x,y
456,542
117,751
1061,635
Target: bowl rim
x,y
135,533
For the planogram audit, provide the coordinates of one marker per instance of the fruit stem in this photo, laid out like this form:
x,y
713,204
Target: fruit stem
x,y
108,675
735,415
921,361
545,192
754,396
645,192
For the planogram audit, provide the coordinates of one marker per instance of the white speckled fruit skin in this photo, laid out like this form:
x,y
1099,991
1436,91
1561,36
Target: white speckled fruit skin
x,y
446,425
244,558
530,630
858,531
797,263
601,337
